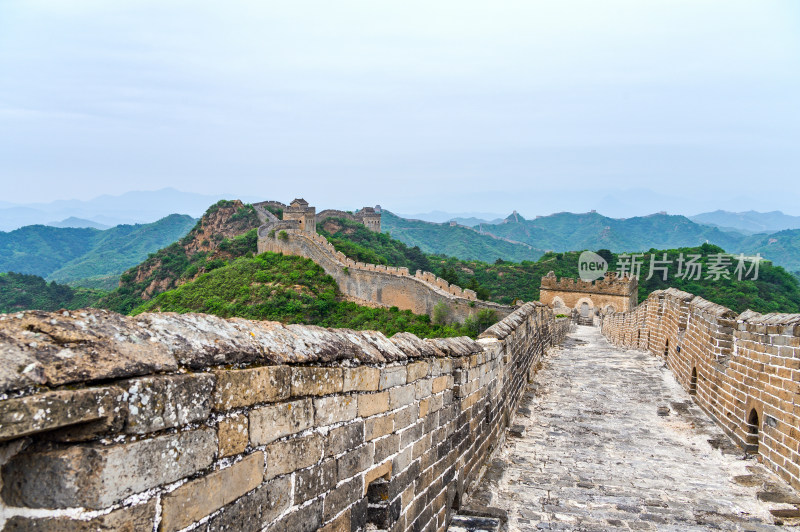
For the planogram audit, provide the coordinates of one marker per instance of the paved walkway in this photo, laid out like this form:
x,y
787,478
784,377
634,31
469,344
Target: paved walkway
x,y
596,454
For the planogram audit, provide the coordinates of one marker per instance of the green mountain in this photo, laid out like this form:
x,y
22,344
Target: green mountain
x,y
227,230
288,289
19,291
455,240
749,221
782,248
83,256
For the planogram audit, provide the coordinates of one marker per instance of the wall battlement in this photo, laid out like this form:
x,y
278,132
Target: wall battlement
x,y
609,293
163,421
743,370
376,285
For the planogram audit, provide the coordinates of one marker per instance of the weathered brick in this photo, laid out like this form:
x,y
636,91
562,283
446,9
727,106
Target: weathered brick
x,y
340,524
314,481
128,519
232,435
96,476
316,381
373,403
304,519
246,387
417,370
401,396
157,403
199,498
361,379
268,423
342,497
335,409
378,426
386,447
392,376
355,461
383,470
251,512
290,455
440,384
343,438
53,410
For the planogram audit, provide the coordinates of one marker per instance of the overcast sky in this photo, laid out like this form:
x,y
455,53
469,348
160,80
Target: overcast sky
x,y
534,105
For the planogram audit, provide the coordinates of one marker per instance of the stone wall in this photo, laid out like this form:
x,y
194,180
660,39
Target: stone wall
x,y
371,284
608,294
168,422
743,370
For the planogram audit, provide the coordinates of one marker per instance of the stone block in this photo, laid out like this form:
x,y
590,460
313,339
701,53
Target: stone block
x,y
304,519
95,476
400,396
199,498
392,376
316,381
355,461
128,519
373,403
262,505
340,524
232,435
53,410
417,370
440,384
157,403
314,481
342,497
384,470
386,447
361,379
246,387
295,453
335,409
377,427
269,423
343,438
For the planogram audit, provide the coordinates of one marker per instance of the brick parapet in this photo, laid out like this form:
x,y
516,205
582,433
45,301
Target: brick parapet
x,y
164,421
733,365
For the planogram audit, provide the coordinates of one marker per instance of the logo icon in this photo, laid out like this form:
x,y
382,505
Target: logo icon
x,y
591,266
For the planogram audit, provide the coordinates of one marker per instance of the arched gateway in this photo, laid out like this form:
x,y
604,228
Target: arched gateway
x,y
611,293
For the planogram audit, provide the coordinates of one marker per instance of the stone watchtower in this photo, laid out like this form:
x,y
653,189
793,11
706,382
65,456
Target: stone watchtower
x,y
609,294
371,218
306,216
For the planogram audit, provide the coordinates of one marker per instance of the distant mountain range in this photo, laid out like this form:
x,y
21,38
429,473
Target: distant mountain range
x,y
87,256
108,211
750,221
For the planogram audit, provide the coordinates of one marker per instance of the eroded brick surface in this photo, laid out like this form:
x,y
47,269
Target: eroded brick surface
x,y
596,455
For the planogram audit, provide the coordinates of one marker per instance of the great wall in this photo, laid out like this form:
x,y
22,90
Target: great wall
x,y
164,421
367,284
168,422
743,370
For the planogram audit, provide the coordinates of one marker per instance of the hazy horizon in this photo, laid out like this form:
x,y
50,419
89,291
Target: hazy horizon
x,y
625,107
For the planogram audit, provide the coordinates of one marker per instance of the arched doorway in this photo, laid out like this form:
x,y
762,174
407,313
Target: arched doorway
x,y
584,310
693,382
752,431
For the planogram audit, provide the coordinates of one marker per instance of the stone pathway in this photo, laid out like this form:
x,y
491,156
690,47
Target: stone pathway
x,y
595,454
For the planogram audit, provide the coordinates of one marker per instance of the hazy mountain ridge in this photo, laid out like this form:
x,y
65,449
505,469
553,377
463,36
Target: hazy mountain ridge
x,y
749,221
128,208
75,254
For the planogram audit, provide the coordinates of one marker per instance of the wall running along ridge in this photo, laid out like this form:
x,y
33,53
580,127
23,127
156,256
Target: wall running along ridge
x,y
166,422
376,285
734,365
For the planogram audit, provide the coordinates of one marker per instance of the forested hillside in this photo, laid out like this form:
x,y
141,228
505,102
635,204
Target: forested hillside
x,y
86,256
455,241
19,291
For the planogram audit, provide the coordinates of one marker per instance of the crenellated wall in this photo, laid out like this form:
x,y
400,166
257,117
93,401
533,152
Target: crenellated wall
x,y
376,285
611,293
743,370
167,422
